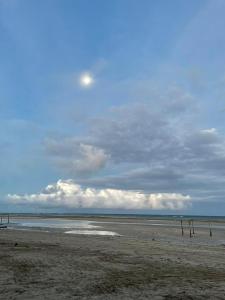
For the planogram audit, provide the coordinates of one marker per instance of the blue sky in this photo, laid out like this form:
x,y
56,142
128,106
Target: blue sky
x,y
152,121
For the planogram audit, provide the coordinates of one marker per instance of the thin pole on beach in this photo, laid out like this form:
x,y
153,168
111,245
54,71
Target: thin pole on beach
x,y
210,230
193,229
1,219
8,219
189,223
182,228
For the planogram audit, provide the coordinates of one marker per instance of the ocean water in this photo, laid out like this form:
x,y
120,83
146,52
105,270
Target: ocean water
x,y
65,223
120,216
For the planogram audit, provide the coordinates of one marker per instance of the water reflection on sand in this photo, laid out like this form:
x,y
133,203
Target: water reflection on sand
x,y
93,232
53,223
74,226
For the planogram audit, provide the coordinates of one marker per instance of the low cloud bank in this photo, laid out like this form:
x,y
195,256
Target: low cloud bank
x,y
68,194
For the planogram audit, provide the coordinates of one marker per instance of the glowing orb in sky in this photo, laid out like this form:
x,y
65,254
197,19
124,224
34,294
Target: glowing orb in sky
x,y
86,79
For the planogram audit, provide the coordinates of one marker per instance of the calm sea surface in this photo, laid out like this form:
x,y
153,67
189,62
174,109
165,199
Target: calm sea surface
x,y
94,221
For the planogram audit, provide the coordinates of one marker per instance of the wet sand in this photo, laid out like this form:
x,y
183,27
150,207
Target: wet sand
x,y
145,262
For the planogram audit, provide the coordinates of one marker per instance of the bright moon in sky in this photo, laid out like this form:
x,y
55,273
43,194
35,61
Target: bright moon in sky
x,y
86,79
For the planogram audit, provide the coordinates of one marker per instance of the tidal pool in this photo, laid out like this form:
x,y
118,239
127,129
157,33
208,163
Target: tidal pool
x,y
93,232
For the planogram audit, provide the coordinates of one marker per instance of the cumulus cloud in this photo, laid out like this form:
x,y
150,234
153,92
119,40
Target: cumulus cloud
x,y
92,159
75,157
68,194
89,160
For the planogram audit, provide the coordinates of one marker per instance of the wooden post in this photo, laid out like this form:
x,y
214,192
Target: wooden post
x,y
189,223
8,219
193,229
210,230
182,228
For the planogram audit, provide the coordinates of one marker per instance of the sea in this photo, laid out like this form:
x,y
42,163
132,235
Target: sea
x,y
93,224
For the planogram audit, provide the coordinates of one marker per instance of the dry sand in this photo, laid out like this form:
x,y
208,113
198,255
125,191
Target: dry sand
x,y
144,263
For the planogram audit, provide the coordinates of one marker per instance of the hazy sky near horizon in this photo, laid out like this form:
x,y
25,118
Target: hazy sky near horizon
x,y
112,104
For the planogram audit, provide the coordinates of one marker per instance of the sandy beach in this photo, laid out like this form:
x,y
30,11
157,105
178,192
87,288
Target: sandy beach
x,y
143,262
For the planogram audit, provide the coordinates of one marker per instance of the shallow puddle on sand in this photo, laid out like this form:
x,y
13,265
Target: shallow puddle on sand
x,y
93,232
53,223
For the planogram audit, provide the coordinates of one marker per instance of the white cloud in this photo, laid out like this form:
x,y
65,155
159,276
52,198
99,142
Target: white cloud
x,y
92,159
210,130
68,194
77,158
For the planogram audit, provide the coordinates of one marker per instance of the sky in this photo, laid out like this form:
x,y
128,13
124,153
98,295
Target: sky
x,y
112,106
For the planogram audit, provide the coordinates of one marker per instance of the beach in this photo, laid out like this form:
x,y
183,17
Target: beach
x,y
145,259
